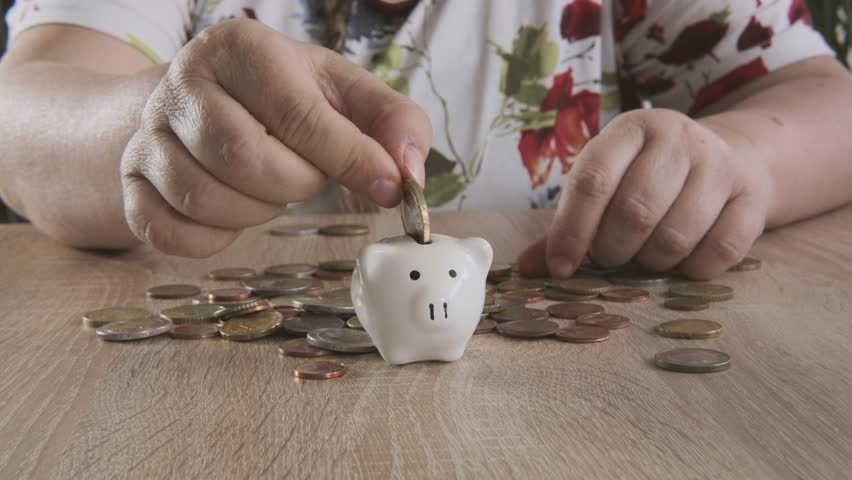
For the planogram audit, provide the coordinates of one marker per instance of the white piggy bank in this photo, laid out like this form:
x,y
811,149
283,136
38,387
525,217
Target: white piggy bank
x,y
421,302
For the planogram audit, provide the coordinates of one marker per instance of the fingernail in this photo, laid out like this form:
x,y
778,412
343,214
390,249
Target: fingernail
x,y
384,192
561,267
415,164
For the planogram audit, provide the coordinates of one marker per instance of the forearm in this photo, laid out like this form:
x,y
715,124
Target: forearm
x,y
800,126
61,146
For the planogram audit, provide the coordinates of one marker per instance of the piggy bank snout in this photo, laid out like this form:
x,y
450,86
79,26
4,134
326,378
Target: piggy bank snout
x,y
434,303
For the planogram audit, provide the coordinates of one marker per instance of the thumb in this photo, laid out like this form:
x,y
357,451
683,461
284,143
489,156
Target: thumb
x,y
384,117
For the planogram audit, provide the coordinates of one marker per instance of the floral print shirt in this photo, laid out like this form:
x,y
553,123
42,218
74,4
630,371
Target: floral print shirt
x,y
514,89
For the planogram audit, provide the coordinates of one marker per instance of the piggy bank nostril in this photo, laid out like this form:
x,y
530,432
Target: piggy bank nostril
x,y
445,309
431,311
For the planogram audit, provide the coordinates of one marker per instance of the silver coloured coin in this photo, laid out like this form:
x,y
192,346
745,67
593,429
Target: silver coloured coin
x,y
345,340
134,329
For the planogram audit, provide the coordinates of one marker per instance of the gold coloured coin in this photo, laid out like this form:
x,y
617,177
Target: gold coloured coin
x,y
581,286
690,328
134,329
626,295
253,326
748,264
637,279
96,318
353,322
560,296
693,360
574,310
192,313
238,273
415,212
173,291
609,321
241,309
521,284
705,291
319,370
344,230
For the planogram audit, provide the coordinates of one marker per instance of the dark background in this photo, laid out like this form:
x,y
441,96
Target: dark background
x,y
833,18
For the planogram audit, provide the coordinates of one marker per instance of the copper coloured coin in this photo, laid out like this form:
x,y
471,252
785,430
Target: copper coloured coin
x,y
609,321
485,326
626,295
229,294
319,370
519,312
528,328
560,296
582,334
524,296
686,304
173,291
195,331
574,310
298,347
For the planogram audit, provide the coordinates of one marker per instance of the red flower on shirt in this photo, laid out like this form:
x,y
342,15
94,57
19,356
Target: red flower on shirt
x,y
753,35
696,40
656,84
577,120
799,11
632,12
580,19
727,83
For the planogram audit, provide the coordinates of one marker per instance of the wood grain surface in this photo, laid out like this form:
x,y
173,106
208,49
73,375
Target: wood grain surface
x,y
72,406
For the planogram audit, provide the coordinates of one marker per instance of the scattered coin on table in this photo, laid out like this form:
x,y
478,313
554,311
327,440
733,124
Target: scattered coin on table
x,y
521,284
304,324
686,304
528,328
637,279
704,291
344,230
230,294
519,312
252,326
690,328
581,286
748,264
291,270
626,295
192,313
344,340
319,370
294,230
134,329
96,318
338,265
693,360
524,296
275,287
574,310
485,326
560,296
237,273
583,334
610,321
173,291
298,347
353,322
195,331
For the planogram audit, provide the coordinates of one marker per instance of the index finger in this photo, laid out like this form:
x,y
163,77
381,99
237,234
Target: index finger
x,y
589,187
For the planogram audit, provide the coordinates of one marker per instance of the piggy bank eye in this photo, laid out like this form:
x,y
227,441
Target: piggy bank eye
x,y
452,273
414,275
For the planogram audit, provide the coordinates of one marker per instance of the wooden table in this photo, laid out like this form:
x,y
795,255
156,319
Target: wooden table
x,y
74,406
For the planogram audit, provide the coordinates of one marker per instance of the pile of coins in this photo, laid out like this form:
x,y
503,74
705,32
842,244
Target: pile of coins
x,y
312,305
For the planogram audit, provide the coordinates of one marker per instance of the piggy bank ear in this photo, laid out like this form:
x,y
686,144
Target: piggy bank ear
x,y
480,250
371,258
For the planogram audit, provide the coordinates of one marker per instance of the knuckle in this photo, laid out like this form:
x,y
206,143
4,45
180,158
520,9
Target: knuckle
x,y
239,155
635,214
729,250
593,182
299,124
672,243
351,167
